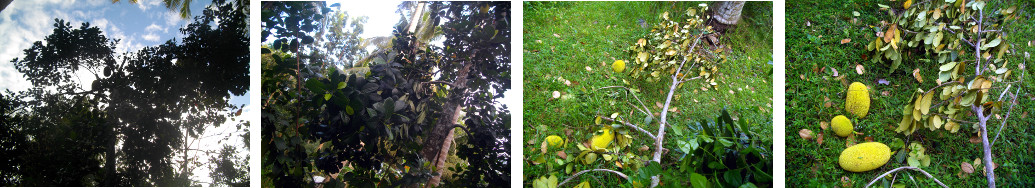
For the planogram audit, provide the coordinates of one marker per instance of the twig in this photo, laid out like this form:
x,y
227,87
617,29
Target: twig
x,y
1003,124
630,125
620,174
649,113
907,168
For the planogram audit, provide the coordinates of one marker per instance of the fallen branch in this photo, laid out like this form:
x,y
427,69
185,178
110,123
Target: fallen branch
x,y
630,125
906,168
620,174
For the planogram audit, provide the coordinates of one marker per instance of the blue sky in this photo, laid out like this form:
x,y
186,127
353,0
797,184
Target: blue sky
x,y
23,22
146,23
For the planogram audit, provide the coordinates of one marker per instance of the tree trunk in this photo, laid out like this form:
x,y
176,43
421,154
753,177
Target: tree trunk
x,y
436,146
109,157
726,14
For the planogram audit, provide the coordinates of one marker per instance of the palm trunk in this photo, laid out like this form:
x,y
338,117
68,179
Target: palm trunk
x,y
728,12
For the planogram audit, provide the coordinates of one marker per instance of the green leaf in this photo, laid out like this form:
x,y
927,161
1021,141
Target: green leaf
x,y
341,85
992,43
725,143
698,180
327,96
913,162
584,184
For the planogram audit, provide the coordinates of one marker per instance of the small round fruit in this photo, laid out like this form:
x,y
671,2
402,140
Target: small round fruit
x,y
858,100
618,65
842,126
554,141
864,157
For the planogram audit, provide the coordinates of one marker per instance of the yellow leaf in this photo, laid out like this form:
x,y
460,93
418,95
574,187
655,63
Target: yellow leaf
x,y
925,103
907,3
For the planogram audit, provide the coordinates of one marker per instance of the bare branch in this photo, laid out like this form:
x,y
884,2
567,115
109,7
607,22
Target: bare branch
x,y
649,113
630,125
907,168
620,174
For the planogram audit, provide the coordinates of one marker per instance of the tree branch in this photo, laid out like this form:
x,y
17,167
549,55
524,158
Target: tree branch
x,y
630,125
906,168
649,113
620,174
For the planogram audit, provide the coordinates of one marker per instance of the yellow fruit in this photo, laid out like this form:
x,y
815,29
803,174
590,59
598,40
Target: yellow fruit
x,y
554,141
618,65
842,126
858,100
864,157
601,140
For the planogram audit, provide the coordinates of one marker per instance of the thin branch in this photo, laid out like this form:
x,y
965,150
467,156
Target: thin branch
x,y
907,168
649,113
620,174
630,125
442,82
1003,124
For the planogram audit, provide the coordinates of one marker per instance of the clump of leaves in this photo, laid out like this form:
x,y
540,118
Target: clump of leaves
x,y
917,158
670,42
940,28
947,31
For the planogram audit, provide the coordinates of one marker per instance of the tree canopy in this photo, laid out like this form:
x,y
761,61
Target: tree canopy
x,y
389,125
134,123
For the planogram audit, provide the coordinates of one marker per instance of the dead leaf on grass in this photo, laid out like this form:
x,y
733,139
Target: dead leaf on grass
x,y
824,125
805,134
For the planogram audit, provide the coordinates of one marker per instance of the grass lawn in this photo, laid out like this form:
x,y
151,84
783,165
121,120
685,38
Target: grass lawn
x,y
814,95
577,42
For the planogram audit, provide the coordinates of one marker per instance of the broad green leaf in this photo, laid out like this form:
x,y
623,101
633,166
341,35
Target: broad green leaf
x,y
698,180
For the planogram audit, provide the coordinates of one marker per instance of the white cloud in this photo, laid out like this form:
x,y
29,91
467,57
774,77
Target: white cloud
x,y
151,37
154,27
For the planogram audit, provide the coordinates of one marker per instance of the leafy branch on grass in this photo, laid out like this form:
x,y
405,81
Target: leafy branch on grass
x,y
937,29
906,168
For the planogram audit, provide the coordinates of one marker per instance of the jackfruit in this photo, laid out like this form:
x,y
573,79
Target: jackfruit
x,y
858,100
864,157
618,66
554,141
842,126
602,139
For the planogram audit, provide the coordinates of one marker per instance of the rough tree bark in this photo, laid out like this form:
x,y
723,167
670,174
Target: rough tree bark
x,y
726,14
436,145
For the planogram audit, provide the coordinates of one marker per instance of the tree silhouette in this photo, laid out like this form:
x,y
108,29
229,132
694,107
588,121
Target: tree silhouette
x,y
136,114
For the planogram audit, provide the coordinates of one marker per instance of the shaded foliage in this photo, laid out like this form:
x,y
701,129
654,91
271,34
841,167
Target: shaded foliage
x,y
368,128
140,107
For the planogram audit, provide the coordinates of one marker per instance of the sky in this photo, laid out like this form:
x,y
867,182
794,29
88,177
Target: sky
x,y
146,23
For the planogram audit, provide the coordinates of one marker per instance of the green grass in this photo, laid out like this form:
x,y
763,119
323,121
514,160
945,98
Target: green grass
x,y
814,32
594,34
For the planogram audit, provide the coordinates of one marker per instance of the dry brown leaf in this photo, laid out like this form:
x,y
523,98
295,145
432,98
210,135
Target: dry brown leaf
x,y
845,182
644,148
869,139
731,92
916,74
860,69
885,93
802,76
967,167
805,133
850,141
824,125
975,140
832,69
556,35
562,154
819,138
542,147
843,41
658,104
